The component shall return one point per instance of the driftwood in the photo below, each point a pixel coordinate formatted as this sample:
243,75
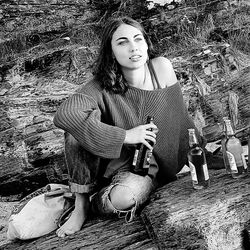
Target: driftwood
177,217
207,219
98,233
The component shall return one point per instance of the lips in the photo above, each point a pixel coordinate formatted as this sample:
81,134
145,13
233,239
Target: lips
135,57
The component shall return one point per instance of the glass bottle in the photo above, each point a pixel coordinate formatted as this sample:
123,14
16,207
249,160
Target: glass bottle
142,156
235,153
197,163
223,147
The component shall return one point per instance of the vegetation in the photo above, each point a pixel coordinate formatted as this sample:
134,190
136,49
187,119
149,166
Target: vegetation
176,28
182,27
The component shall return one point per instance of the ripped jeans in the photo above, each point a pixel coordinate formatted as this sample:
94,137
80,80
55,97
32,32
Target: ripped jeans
86,176
139,188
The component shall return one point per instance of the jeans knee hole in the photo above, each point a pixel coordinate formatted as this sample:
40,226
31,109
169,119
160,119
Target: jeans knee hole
121,197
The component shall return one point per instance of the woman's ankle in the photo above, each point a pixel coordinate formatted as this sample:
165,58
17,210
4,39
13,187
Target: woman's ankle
82,200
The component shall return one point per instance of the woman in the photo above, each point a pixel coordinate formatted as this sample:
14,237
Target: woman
105,120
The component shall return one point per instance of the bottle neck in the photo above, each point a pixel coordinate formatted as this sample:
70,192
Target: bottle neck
229,128
150,119
192,138
224,131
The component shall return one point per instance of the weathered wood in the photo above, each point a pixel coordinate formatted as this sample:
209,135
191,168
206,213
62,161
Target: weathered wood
183,218
100,234
177,217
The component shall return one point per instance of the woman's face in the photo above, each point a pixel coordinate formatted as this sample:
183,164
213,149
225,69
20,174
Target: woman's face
129,47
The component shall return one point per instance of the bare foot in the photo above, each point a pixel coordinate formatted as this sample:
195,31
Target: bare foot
77,218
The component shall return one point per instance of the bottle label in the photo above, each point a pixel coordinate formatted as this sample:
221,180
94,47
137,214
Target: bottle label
135,157
205,171
244,161
232,162
147,159
193,172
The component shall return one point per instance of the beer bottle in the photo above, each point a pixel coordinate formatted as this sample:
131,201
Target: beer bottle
142,156
223,147
235,153
197,162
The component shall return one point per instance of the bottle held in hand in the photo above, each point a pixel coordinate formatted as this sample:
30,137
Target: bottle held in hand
142,156
197,163
234,153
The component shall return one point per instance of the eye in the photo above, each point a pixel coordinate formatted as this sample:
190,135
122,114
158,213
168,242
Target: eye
139,39
122,42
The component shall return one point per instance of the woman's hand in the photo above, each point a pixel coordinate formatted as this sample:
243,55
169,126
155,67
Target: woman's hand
141,134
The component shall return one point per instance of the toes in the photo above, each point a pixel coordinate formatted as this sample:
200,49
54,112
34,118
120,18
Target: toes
69,232
60,233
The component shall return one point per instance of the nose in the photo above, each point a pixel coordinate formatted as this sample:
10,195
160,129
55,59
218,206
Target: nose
133,47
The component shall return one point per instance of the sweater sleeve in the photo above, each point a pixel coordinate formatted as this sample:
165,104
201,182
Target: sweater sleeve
81,117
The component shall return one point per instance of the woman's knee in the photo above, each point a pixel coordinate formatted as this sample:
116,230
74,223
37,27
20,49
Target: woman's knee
121,197
72,147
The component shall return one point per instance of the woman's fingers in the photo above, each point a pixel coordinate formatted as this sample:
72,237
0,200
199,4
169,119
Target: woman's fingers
150,133
140,134
149,139
148,145
150,126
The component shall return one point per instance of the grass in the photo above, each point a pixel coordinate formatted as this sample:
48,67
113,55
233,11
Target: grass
195,29
180,32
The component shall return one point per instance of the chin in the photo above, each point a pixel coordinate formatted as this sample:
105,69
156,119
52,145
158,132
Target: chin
138,64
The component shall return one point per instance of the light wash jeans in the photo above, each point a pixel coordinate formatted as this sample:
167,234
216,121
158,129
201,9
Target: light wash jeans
140,188
86,173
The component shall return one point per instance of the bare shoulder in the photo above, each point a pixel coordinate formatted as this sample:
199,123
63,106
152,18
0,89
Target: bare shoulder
164,70
161,61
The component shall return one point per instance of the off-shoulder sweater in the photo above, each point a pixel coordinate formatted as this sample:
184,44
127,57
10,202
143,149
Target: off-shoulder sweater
98,119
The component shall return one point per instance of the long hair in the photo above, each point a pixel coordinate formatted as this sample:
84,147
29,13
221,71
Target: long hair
107,70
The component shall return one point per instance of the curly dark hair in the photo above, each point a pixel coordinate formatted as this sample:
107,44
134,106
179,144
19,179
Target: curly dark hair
107,70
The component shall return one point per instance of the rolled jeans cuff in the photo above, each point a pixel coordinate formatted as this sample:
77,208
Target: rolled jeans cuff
77,188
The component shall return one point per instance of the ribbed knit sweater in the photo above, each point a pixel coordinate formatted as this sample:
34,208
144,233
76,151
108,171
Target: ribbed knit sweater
98,119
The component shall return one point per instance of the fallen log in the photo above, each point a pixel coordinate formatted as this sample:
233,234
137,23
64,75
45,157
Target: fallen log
97,234
212,218
177,217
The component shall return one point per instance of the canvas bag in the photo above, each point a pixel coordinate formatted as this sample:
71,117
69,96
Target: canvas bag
38,213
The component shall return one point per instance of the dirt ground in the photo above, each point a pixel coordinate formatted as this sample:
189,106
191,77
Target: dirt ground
5,208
